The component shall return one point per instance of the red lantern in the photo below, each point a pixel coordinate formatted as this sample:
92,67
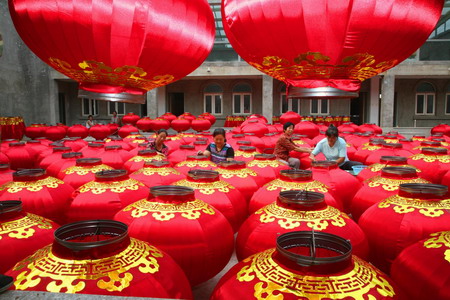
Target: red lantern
34,131
210,117
352,47
290,180
93,150
99,132
103,197
269,140
113,128
180,124
418,264
3,158
417,211
137,162
427,144
83,171
385,161
78,130
160,123
434,163
66,160
118,141
155,173
307,128
54,156
348,127
144,124
19,156
387,149
130,118
98,257
76,143
36,149
21,233
5,174
40,194
195,162
200,124
115,156
306,265
378,188
188,116
267,167
293,211
191,231
169,117
126,130
441,128
368,148
290,116
210,188
246,153
55,133
370,128
181,154
238,175
256,127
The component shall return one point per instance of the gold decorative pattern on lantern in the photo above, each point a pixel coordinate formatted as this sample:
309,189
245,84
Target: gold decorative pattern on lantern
368,146
402,205
246,154
159,171
199,163
84,170
264,163
70,276
299,142
290,185
11,120
289,218
93,71
438,240
207,188
241,173
146,158
377,167
431,158
32,186
23,228
390,184
315,65
113,186
191,210
273,279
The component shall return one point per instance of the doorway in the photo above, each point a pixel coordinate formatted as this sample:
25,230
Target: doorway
176,103
357,106
62,107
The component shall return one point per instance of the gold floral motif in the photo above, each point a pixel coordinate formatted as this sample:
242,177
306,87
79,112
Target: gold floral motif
32,186
431,158
200,163
264,163
114,186
289,185
22,228
246,154
273,279
402,205
316,65
438,240
299,142
93,71
11,121
241,173
368,146
159,171
191,210
389,184
378,167
391,141
289,219
84,170
207,188
70,276
146,158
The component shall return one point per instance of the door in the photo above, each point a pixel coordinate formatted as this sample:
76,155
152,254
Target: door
357,108
176,103
62,107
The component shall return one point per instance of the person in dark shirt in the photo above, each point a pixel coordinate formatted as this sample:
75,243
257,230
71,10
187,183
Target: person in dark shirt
158,144
285,145
219,150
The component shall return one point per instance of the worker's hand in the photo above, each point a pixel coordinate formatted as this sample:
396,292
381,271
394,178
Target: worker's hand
200,152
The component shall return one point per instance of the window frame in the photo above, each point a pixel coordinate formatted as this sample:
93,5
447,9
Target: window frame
319,107
241,100
425,103
213,103
289,104
116,109
94,105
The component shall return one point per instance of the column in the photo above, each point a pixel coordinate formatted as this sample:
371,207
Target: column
53,101
387,100
152,104
374,100
161,100
267,97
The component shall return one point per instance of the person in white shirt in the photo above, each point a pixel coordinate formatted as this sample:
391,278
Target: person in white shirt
90,122
115,119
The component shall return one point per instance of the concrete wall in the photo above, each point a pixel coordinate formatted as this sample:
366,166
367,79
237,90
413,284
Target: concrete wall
406,103
25,88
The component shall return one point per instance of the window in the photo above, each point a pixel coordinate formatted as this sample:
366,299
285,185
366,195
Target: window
425,95
320,107
213,99
89,107
292,104
116,106
242,99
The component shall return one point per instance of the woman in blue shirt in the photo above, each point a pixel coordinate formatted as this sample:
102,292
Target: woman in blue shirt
219,150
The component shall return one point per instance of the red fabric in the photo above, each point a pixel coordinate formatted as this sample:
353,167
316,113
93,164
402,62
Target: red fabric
386,150
81,174
76,143
201,246
307,128
12,127
157,175
290,116
37,149
365,150
99,132
200,124
441,128
78,130
240,177
54,156
137,162
181,154
65,161
267,169
415,268
5,174
195,162
3,158
180,124
126,130
130,118
115,156
19,156
94,150
433,165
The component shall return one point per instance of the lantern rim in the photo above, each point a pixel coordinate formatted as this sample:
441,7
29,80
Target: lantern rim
264,156
171,190
88,161
319,92
8,206
4,167
156,163
416,189
198,174
71,155
387,159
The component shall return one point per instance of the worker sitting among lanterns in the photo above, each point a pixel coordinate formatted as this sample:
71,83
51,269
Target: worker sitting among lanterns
285,144
219,150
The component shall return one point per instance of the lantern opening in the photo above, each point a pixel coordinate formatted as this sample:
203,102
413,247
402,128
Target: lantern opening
320,92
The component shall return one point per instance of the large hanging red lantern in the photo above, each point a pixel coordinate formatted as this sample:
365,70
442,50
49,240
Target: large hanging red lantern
21,233
159,49
210,188
98,257
296,210
55,133
306,265
327,49
157,172
83,171
290,116
414,269
193,233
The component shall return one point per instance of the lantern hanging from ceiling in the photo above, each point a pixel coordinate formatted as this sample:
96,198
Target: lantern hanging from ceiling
159,49
327,48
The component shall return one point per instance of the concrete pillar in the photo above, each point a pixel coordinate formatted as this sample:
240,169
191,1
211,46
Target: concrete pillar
53,101
152,104
267,97
387,101
374,100
161,100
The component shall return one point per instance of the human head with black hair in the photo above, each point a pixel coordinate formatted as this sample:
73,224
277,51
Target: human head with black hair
219,137
332,135
288,128
161,136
